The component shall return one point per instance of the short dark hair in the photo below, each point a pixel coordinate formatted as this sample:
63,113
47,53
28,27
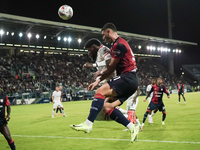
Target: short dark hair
92,41
109,25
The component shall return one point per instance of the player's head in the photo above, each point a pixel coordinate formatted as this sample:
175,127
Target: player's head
153,81
60,87
57,88
180,81
159,81
108,31
92,45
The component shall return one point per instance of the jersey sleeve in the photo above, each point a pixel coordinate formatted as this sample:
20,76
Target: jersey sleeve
53,94
118,51
148,88
165,90
106,53
7,103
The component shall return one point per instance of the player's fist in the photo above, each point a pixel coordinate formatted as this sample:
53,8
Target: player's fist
87,65
7,118
145,100
168,96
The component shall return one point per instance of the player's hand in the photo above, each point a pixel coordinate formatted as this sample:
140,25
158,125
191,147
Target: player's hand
145,100
93,85
7,118
87,65
53,101
168,96
96,74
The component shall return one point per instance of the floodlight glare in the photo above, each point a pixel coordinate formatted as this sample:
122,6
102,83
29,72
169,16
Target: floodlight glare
179,51
20,34
65,39
29,35
7,33
59,38
69,39
79,40
37,36
148,47
45,37
139,47
12,33
1,32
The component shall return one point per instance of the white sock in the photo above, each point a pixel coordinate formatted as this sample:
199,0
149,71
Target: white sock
152,114
63,111
122,110
53,112
138,122
149,117
129,126
142,124
89,123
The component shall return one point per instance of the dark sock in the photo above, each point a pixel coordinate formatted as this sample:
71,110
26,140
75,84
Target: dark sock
117,115
145,116
184,98
96,107
164,116
179,99
60,110
12,145
56,110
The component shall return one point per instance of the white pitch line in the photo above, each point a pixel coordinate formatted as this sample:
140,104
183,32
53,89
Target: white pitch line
104,139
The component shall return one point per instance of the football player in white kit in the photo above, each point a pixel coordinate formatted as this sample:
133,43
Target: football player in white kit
57,99
101,54
153,81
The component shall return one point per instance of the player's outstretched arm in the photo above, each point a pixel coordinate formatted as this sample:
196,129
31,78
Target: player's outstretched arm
149,94
165,90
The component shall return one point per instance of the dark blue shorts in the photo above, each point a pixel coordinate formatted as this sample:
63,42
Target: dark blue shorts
160,106
3,121
124,85
180,93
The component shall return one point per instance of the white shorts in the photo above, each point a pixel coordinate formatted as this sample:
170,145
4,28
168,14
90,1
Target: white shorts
58,104
130,105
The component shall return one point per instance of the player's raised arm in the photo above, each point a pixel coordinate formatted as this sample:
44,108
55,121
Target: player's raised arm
52,97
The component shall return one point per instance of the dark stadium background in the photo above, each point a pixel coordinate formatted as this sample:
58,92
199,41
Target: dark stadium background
138,16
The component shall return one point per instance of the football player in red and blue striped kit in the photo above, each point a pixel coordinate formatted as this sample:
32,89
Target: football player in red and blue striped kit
4,102
157,102
180,87
120,87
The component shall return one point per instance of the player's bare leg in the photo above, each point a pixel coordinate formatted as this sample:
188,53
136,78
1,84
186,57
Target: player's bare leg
6,133
53,111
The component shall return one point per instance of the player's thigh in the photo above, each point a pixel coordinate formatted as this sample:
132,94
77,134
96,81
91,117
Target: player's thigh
108,106
161,107
106,91
6,132
152,106
55,105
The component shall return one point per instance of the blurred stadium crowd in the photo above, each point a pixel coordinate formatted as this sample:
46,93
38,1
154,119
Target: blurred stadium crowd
36,73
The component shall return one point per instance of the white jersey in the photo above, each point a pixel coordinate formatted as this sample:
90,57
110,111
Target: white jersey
148,90
57,96
103,54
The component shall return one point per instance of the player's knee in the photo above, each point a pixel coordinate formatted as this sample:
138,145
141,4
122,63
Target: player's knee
164,112
148,111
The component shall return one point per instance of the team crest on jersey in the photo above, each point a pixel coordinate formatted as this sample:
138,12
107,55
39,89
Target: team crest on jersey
1,100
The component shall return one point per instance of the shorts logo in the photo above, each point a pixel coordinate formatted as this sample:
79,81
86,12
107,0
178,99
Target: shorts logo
116,52
1,100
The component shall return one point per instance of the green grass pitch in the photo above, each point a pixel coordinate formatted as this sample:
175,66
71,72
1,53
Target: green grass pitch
32,128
